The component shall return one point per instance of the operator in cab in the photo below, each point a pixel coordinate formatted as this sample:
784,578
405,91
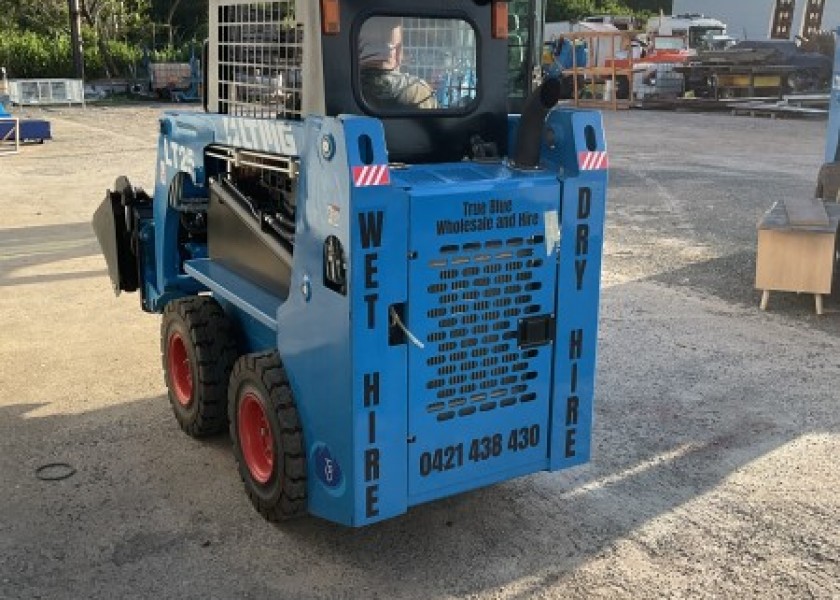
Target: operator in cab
384,85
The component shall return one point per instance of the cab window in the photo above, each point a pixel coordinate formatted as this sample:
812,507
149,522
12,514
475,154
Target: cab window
416,64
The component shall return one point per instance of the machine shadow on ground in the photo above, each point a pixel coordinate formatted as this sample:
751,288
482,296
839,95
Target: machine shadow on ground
32,247
665,434
732,279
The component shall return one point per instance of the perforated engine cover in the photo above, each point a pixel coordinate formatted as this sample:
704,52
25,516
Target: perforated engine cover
479,399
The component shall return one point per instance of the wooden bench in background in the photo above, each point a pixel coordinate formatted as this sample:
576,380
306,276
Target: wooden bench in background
797,242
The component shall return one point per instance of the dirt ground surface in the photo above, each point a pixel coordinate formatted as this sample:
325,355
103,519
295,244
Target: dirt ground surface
717,432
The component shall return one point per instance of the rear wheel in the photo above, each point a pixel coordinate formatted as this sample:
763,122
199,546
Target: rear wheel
267,436
198,350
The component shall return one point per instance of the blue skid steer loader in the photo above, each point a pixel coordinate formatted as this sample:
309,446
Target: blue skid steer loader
377,265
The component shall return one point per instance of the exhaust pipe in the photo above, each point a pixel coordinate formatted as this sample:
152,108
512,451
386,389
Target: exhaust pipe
529,137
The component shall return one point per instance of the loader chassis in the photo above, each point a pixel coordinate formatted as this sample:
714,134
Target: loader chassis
413,301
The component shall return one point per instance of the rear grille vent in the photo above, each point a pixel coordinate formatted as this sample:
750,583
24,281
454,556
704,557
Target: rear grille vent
479,293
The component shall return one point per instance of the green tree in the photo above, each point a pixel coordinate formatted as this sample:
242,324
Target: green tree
185,20
110,20
573,10
36,16
652,6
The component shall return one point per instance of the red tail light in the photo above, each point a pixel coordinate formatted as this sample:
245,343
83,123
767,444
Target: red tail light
330,17
500,19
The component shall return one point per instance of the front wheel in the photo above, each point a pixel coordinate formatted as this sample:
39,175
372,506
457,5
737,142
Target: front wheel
267,436
198,349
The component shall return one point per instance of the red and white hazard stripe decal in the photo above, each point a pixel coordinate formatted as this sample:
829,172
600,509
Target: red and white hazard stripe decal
593,161
371,175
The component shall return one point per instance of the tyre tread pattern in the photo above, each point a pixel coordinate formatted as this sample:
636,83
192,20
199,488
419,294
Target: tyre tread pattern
291,501
212,337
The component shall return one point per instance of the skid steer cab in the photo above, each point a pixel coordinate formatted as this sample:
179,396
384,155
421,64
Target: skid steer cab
380,282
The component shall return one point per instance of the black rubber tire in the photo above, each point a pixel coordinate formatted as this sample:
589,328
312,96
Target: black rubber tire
211,351
283,496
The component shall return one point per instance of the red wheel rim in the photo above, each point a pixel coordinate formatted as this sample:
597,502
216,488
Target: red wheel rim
256,438
180,371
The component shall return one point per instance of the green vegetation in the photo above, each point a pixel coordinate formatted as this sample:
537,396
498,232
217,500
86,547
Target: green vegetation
117,34
35,34
572,10
27,54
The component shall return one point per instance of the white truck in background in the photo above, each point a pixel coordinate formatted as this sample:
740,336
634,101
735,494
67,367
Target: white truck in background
695,28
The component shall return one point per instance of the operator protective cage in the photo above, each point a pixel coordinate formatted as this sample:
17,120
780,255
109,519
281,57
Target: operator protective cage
427,271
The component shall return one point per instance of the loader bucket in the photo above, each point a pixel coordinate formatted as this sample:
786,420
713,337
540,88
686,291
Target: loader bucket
109,224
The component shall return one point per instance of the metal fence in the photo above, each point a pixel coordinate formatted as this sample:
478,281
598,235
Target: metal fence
39,92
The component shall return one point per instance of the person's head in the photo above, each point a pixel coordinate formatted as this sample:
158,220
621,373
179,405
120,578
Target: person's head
380,43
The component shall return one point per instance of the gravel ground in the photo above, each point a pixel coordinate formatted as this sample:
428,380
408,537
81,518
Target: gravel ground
714,470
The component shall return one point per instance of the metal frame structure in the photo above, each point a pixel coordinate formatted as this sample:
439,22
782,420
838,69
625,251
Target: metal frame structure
781,20
604,69
42,92
10,142
813,18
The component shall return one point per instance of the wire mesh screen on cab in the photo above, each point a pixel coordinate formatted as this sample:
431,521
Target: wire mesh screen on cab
260,60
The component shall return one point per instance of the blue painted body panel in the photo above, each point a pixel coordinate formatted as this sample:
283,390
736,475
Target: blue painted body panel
480,243
225,284
578,293
30,130
832,143
181,146
467,253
